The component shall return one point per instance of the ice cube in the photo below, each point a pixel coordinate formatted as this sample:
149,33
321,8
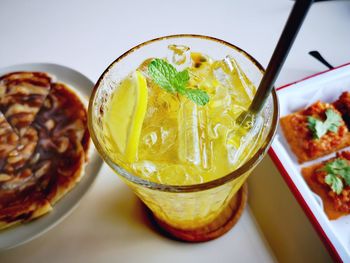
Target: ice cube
206,144
199,60
242,80
150,138
229,74
146,169
221,100
201,73
179,56
189,149
243,142
143,68
194,144
158,142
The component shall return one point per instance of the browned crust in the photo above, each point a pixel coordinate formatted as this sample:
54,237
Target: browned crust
321,191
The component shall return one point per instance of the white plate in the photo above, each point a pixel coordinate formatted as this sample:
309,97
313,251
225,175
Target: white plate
326,87
22,233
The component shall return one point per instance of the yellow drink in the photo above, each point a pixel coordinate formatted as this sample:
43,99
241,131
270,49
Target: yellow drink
180,142
186,162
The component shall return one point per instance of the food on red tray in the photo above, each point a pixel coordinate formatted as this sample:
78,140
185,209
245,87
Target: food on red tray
343,105
331,181
315,131
43,159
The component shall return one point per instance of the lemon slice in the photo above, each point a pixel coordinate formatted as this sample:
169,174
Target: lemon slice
126,114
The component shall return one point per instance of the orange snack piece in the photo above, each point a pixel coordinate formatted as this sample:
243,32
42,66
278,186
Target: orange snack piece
334,205
301,140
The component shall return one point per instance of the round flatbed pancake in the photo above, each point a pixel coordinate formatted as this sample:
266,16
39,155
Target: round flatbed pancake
48,159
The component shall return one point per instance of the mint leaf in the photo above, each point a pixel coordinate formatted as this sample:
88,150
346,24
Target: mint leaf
320,128
198,96
168,78
163,74
183,77
336,171
181,81
334,182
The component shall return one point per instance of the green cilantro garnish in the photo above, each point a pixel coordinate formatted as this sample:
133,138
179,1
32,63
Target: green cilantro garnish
173,81
336,171
320,128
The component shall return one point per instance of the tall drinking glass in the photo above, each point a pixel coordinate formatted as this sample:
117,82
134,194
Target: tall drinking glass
195,212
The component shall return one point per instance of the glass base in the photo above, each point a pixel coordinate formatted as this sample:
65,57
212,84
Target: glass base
223,223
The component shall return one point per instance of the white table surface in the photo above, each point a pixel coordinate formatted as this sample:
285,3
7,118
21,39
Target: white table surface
109,225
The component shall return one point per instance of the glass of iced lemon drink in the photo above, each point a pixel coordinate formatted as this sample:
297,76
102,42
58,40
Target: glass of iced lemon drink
163,115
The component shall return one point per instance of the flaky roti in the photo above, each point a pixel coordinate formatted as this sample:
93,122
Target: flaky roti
48,157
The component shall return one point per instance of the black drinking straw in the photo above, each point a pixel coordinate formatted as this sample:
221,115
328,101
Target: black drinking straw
290,31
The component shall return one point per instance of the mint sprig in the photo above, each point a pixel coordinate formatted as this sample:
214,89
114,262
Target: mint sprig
337,171
173,81
320,128
198,96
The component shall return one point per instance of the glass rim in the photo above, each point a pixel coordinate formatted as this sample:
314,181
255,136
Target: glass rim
254,160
